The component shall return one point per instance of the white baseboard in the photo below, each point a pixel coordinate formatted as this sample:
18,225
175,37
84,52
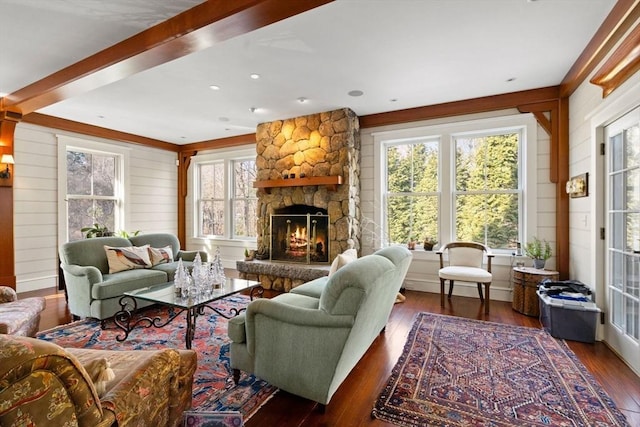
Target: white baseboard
498,293
35,284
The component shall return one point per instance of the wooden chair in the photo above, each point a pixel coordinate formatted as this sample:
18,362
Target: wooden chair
465,265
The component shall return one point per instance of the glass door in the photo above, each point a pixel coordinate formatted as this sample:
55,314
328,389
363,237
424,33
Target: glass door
622,260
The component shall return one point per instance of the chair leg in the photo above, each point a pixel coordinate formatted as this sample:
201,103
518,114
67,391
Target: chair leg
442,293
450,288
480,291
236,376
486,297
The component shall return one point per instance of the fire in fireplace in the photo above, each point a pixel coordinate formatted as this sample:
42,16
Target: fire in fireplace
300,238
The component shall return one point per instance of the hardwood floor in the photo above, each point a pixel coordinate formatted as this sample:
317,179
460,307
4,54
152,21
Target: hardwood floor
352,403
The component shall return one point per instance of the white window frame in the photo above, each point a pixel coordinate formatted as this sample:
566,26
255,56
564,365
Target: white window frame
527,173
228,156
121,190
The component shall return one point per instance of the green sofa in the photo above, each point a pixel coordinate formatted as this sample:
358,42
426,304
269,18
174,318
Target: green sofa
308,340
93,292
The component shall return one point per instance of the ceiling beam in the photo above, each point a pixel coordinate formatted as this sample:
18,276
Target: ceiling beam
96,131
623,16
194,30
459,108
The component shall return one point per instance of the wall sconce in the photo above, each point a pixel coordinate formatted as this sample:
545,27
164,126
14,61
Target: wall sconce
578,186
7,159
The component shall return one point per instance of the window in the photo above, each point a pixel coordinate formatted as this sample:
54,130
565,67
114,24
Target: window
227,201
457,182
91,179
412,193
487,192
212,199
244,198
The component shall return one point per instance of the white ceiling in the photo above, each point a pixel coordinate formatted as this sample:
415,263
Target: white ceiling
399,53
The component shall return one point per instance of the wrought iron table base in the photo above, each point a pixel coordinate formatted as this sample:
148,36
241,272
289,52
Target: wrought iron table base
126,321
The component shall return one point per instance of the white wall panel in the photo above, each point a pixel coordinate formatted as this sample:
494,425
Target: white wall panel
152,205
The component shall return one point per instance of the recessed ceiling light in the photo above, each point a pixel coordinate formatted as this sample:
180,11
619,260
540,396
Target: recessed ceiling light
302,100
101,116
224,119
393,99
356,93
214,87
253,109
254,76
511,79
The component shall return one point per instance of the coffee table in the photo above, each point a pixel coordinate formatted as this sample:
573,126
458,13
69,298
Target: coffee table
165,294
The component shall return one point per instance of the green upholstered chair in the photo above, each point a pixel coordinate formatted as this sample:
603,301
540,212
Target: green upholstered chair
306,344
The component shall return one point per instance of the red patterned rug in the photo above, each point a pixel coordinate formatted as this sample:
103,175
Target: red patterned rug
461,372
213,386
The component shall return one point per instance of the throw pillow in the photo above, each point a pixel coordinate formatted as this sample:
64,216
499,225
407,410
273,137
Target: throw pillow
342,260
127,258
161,255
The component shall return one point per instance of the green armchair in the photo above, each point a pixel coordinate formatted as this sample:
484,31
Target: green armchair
307,341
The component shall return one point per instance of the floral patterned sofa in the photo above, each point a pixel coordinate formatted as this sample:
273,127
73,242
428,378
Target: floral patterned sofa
19,317
42,384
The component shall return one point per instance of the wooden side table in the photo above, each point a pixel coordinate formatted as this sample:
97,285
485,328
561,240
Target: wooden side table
525,285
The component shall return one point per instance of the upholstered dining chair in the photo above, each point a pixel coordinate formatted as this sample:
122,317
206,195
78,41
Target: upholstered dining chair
465,264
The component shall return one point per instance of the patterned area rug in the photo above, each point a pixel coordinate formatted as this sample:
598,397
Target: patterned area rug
461,372
213,387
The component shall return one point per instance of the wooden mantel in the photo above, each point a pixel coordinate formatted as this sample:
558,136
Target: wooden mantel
331,182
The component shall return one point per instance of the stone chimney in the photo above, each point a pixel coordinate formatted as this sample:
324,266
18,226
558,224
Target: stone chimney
317,145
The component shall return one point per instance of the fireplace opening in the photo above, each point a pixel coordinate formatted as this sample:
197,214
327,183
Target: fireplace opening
300,234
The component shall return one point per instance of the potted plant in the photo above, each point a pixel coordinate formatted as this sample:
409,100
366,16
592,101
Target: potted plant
429,243
411,244
126,234
96,230
539,251
248,255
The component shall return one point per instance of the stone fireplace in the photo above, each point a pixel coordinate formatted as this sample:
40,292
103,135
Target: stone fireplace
311,161
319,155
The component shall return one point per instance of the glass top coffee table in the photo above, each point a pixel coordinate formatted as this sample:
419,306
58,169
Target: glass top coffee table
165,294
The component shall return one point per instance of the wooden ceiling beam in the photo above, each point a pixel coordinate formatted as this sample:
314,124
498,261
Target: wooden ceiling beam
623,16
97,131
194,30
459,108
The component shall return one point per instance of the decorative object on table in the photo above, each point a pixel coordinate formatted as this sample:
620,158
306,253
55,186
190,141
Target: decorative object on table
428,243
249,254
217,275
525,285
539,251
213,419
578,186
213,389
456,371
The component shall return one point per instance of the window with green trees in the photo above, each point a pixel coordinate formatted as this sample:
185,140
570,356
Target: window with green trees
487,193
454,186
412,197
